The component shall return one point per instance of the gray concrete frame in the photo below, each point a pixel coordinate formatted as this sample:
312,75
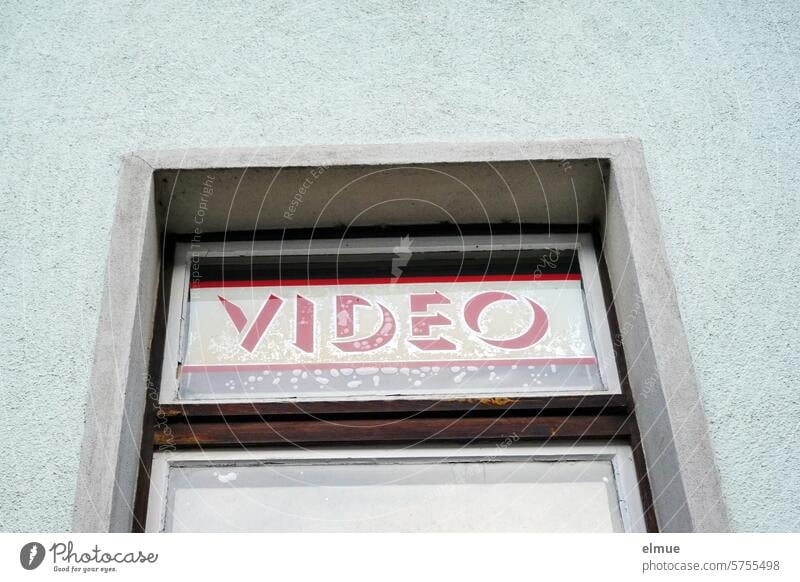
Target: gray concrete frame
677,447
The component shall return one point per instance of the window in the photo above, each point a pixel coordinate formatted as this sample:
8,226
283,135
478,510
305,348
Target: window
472,489
388,317
403,383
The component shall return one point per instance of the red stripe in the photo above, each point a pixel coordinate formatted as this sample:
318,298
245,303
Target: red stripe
384,280
198,368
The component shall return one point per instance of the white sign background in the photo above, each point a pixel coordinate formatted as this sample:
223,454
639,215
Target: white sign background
214,343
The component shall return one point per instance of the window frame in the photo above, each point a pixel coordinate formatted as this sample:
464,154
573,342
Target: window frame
621,457
595,302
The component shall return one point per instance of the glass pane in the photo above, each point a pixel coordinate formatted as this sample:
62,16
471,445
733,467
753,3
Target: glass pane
428,495
361,326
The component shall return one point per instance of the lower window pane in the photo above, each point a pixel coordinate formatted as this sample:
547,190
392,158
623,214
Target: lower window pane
406,494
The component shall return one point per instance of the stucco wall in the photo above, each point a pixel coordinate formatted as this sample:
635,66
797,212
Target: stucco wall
711,89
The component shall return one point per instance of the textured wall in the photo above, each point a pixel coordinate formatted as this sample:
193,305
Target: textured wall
710,87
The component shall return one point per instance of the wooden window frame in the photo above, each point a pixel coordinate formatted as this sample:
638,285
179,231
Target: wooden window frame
594,419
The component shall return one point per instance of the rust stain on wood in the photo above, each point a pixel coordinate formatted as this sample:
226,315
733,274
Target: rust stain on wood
374,430
496,401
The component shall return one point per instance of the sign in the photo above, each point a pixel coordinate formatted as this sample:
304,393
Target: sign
383,336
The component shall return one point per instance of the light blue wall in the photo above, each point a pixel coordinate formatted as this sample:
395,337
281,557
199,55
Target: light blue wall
710,87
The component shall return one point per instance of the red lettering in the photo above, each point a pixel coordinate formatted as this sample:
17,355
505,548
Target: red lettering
345,325
475,307
421,324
